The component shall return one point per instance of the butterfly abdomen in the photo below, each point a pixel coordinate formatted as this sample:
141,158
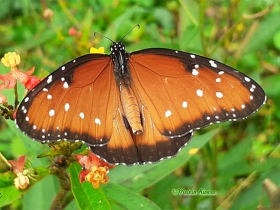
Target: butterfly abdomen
131,109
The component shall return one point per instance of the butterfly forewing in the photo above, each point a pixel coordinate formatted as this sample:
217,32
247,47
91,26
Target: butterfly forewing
185,92
76,102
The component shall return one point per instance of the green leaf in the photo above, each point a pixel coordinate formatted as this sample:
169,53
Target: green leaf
34,197
272,85
264,33
231,164
72,206
41,194
37,40
9,194
108,196
86,196
7,179
123,198
33,146
251,197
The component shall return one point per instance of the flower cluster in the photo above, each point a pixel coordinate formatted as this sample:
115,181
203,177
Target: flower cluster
94,170
12,60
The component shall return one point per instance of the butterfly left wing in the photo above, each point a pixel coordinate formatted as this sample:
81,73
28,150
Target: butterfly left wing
75,102
184,92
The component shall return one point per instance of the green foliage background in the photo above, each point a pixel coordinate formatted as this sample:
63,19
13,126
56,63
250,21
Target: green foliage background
239,156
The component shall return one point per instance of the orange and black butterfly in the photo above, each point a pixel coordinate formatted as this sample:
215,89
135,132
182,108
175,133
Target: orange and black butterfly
138,107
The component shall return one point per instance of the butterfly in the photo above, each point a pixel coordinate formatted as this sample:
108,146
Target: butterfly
139,107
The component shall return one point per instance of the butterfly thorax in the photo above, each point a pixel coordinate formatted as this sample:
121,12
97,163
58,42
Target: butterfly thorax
120,58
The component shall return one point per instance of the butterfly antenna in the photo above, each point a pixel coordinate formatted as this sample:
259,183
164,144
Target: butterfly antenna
137,25
103,36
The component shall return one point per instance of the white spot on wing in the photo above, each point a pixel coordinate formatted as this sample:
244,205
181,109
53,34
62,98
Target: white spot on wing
82,115
26,119
219,95
199,93
49,96
65,85
51,112
168,113
192,56
97,121
45,89
49,80
247,79
213,64
66,107
221,72
26,99
218,80
194,72
185,104
63,68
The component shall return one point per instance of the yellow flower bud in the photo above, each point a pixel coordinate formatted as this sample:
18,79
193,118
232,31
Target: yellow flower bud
11,59
100,50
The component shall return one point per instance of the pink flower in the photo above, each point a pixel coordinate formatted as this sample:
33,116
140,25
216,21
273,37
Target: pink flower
22,181
8,81
31,82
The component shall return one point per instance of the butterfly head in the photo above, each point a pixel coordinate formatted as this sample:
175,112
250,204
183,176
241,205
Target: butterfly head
117,47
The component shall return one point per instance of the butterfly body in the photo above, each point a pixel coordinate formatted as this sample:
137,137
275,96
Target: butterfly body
137,107
123,79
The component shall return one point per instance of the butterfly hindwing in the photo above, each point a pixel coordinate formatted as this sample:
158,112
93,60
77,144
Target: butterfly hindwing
148,147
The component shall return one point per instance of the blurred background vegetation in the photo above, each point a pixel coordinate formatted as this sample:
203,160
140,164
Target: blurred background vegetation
233,158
